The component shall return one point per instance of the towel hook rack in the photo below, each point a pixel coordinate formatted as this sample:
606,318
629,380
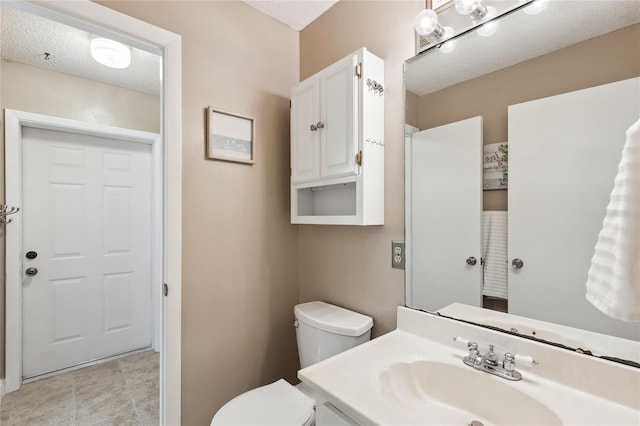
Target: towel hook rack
5,211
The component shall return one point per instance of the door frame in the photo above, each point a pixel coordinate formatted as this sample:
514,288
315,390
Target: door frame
101,20
15,121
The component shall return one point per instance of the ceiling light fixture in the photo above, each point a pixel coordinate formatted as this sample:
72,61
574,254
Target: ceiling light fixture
110,53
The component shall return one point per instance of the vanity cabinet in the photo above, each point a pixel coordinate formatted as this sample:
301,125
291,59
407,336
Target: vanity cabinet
337,144
328,415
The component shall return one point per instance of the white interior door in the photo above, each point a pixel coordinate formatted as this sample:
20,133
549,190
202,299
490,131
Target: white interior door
563,157
87,215
444,231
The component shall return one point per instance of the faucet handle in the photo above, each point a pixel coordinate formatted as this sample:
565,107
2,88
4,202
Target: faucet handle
472,346
461,341
473,350
525,360
509,362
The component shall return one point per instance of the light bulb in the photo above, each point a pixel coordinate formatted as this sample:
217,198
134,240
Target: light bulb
475,8
110,53
449,45
489,28
536,7
427,23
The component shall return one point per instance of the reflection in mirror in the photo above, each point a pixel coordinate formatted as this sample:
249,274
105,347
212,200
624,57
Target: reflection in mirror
557,90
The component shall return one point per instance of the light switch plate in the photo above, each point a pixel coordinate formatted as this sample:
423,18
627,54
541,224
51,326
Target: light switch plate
397,254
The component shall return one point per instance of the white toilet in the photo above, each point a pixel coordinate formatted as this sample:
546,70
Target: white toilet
322,330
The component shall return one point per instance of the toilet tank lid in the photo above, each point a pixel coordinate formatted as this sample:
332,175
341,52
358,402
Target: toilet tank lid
333,319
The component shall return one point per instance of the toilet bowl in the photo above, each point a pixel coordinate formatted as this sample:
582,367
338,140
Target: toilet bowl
322,330
276,404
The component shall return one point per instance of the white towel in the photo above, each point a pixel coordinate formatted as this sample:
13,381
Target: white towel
494,253
613,284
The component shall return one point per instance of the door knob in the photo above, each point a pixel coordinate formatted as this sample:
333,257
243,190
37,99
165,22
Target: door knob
313,128
471,260
517,263
31,271
320,125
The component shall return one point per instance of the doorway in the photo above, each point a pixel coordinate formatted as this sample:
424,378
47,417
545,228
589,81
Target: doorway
87,237
87,15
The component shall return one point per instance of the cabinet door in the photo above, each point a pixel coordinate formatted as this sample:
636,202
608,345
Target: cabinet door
328,415
338,104
305,158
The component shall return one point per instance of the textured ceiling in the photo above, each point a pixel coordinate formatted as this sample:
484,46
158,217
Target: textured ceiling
520,37
295,13
25,38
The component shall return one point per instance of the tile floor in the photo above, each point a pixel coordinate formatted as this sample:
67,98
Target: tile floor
119,392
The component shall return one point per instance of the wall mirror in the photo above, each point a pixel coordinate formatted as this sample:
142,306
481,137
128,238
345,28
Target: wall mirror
556,84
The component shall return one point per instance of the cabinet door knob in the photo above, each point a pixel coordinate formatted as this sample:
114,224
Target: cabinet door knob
320,125
471,260
517,263
313,128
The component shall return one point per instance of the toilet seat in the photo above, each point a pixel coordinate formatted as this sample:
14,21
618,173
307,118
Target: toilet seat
278,404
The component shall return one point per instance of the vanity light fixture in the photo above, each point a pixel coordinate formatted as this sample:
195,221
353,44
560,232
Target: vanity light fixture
449,45
478,11
535,7
475,9
491,26
110,53
427,25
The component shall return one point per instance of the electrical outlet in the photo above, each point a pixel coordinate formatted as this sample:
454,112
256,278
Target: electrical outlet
397,254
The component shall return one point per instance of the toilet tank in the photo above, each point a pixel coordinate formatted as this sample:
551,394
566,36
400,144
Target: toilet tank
324,330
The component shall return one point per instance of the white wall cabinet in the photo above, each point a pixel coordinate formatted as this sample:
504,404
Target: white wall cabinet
337,144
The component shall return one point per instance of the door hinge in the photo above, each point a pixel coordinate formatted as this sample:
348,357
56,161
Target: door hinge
359,158
290,104
165,289
359,70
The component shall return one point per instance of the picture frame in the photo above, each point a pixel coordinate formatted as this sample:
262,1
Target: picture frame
495,165
230,137
439,5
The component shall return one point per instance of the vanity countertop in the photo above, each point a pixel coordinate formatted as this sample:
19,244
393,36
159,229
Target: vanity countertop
359,383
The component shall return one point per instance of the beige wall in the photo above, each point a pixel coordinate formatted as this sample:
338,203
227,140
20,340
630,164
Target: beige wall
351,266
411,110
611,57
32,89
240,253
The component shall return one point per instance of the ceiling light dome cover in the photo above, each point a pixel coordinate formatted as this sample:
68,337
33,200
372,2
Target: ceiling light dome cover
110,53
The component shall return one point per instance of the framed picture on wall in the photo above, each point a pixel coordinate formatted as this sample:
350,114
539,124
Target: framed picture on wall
230,137
495,164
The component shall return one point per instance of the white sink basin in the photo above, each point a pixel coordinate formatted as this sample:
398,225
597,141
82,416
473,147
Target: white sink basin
485,398
414,376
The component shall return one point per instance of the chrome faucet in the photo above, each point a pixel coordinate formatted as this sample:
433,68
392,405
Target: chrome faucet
490,363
